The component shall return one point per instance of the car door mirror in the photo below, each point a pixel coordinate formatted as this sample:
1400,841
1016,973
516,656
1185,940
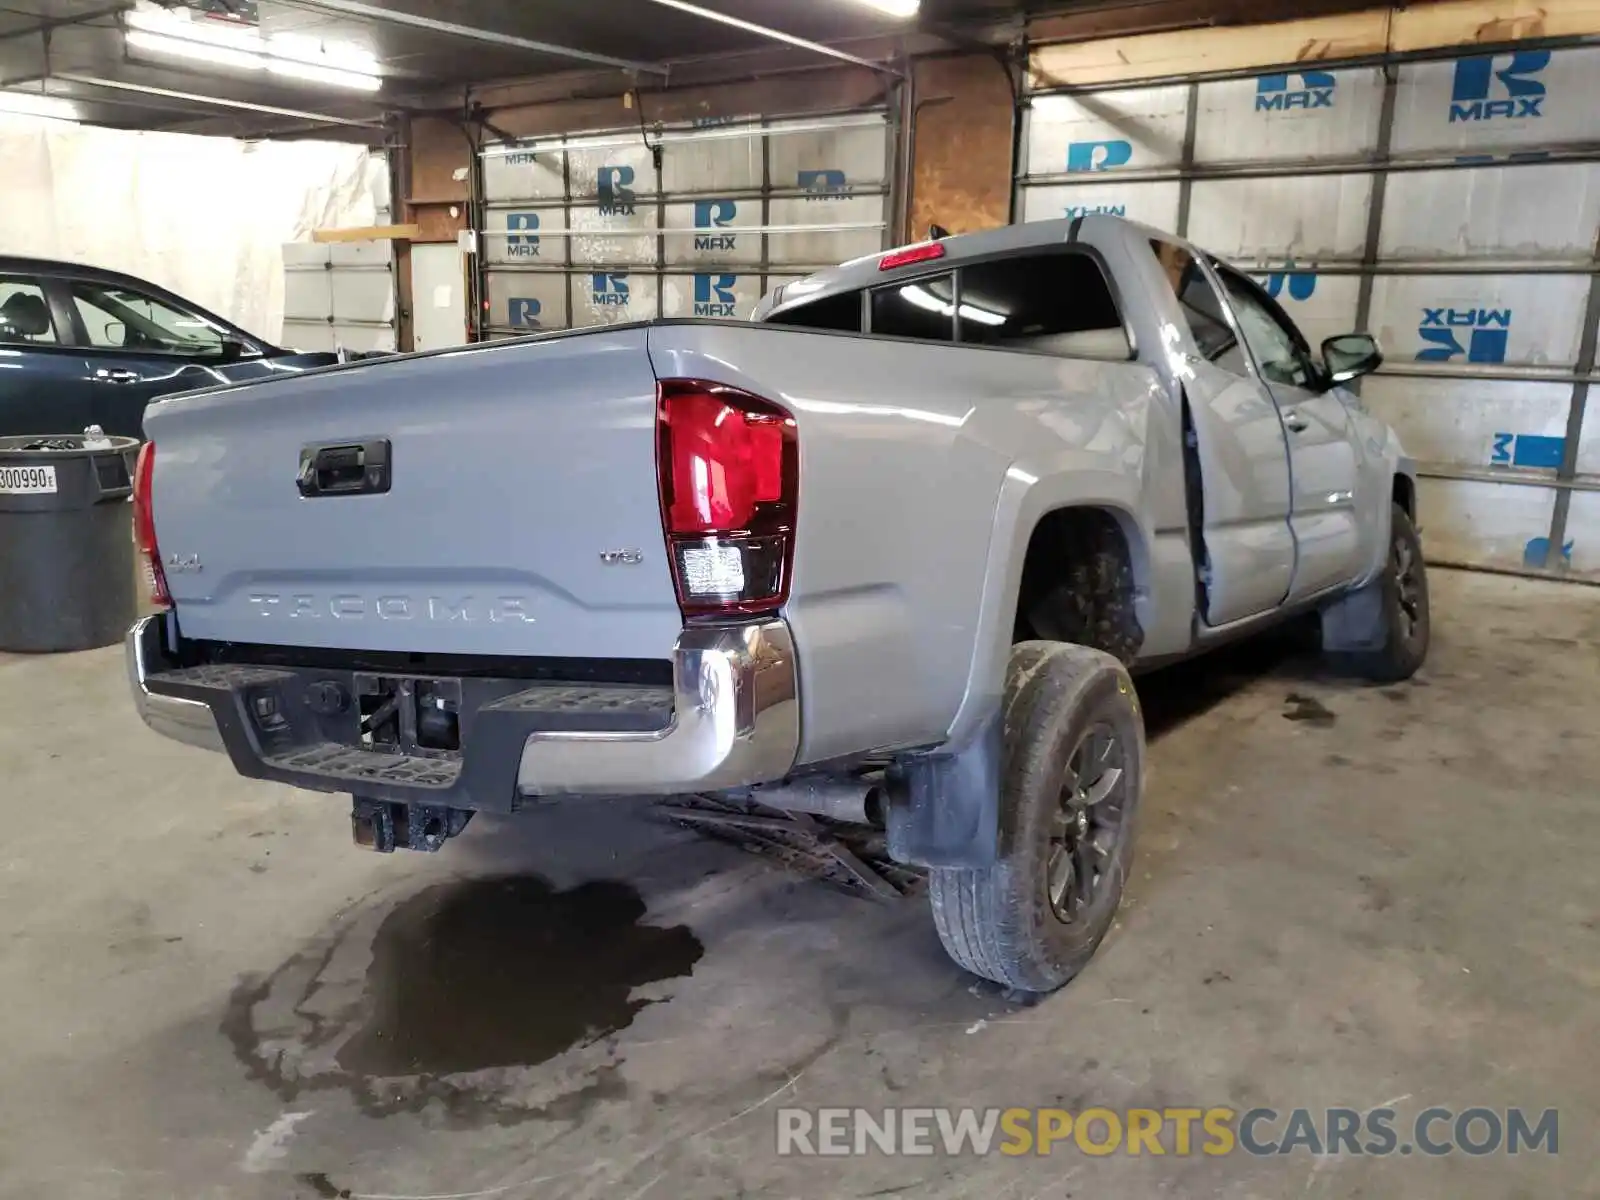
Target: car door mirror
232,350
1351,355
115,333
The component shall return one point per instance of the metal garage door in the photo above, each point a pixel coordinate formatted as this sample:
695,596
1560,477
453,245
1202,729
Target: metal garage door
1450,206
341,295
591,231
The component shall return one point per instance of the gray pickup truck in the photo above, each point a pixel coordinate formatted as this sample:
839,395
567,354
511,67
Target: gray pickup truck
886,554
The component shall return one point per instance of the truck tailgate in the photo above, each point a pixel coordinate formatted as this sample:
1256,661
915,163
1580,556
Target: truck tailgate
521,515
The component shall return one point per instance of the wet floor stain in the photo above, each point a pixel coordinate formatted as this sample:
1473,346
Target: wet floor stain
467,981
323,1187
1309,709
508,973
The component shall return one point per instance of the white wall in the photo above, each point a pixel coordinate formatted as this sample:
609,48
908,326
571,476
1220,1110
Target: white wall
205,217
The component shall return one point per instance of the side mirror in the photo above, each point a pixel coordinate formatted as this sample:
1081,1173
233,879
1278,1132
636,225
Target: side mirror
232,351
1351,355
115,333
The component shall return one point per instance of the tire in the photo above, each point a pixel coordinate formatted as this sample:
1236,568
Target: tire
1402,591
1061,704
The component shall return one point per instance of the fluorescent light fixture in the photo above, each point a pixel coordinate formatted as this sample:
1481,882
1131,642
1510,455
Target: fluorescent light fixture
320,54
217,56
924,299
338,78
34,104
244,48
894,8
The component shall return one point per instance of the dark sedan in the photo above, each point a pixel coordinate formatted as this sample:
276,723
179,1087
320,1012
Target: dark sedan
80,346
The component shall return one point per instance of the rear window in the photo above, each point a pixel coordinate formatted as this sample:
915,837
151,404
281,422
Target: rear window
1057,303
921,308
841,312
1051,302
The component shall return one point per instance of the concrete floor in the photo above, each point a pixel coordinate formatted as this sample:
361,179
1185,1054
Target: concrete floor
1389,896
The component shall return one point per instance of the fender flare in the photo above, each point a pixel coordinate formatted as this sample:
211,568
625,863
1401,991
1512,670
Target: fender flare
944,806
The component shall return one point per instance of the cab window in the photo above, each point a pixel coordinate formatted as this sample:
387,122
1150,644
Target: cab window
840,313
1055,302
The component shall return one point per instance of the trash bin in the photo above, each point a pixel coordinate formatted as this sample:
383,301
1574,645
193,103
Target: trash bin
66,541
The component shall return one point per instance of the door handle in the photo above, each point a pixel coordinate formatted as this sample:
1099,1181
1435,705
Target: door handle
116,375
1294,421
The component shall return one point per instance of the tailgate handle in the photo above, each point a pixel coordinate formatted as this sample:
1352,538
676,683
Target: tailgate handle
345,469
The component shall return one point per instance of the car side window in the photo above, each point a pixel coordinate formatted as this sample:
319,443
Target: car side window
1201,307
1278,350
124,319
25,318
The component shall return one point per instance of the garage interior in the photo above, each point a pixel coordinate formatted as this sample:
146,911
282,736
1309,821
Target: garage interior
1344,895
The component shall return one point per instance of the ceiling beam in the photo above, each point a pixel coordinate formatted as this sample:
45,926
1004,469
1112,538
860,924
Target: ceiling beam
144,89
372,12
777,35
54,23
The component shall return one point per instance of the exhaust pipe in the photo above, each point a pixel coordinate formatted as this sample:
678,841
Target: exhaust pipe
851,801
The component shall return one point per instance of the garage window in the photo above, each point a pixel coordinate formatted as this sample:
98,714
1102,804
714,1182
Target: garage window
1058,303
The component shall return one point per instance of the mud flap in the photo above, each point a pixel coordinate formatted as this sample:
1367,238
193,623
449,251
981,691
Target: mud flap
944,809
1356,621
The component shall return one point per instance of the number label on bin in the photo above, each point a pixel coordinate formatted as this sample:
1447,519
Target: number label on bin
27,481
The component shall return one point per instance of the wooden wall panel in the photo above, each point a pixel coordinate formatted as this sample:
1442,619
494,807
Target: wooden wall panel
1198,51
1485,22
1434,24
961,155
439,153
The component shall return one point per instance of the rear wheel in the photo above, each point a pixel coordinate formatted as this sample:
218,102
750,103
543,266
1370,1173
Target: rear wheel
1070,788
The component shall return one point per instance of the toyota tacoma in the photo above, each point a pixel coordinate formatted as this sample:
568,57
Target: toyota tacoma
886,553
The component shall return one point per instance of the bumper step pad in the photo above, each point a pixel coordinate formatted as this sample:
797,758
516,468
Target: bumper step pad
358,765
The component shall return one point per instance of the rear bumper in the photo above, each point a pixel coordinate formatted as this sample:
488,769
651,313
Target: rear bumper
732,719
188,721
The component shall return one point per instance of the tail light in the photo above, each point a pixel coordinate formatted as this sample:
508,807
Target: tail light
144,526
729,466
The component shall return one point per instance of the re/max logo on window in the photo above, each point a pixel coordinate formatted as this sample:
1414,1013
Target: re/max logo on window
1098,156
827,184
610,291
1276,93
1498,86
714,296
522,240
615,187
1476,334
1293,285
710,215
